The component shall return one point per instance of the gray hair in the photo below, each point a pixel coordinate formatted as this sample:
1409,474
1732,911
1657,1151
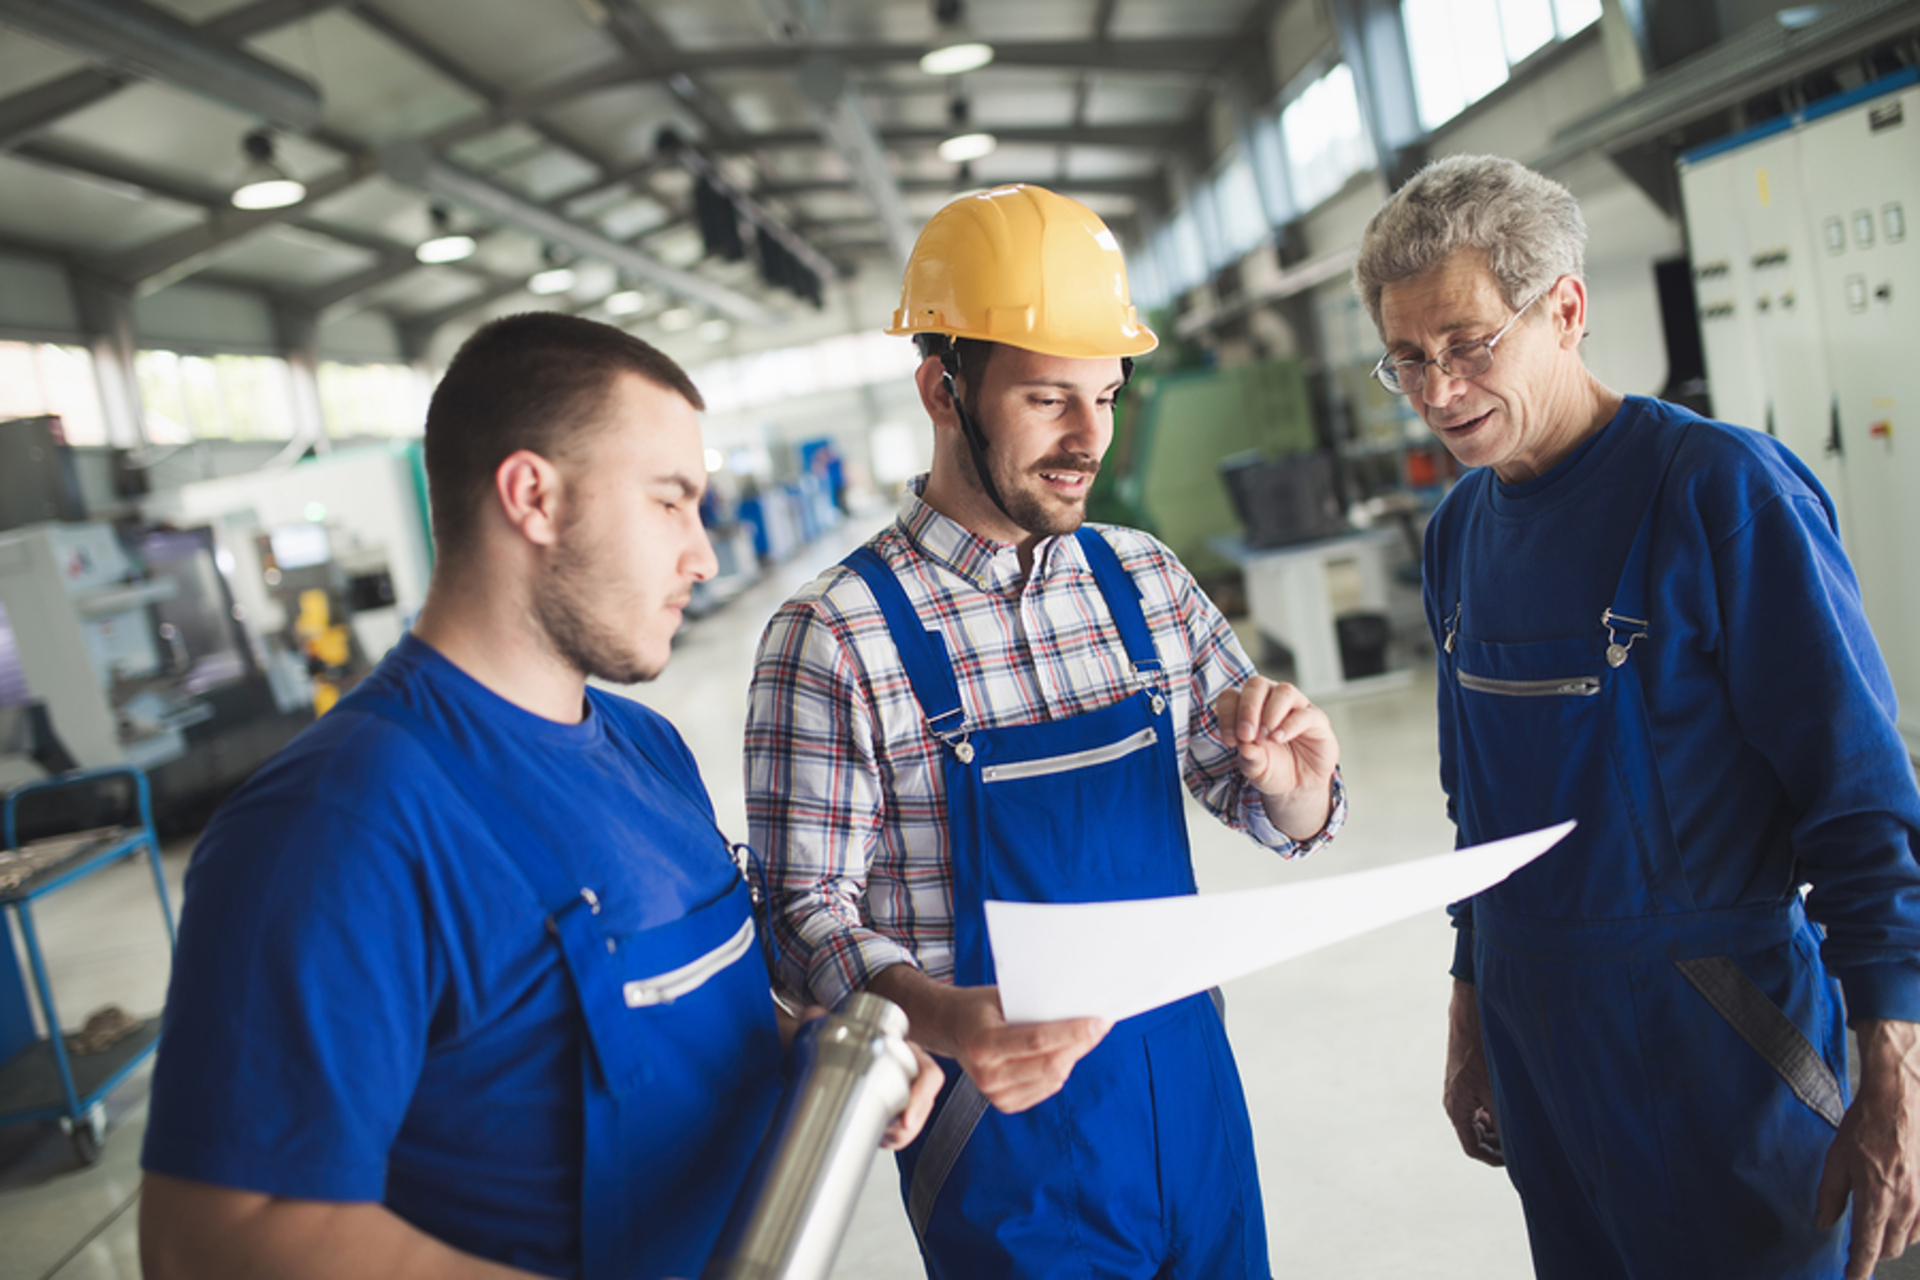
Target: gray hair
1529,226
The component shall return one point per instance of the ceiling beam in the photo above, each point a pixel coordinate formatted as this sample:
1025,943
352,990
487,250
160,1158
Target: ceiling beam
1131,137
420,48
1196,58
28,112
31,110
417,330
1145,186
158,263
140,40
416,166
651,49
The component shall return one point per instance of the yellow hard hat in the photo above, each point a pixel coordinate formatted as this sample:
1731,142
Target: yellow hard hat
1026,267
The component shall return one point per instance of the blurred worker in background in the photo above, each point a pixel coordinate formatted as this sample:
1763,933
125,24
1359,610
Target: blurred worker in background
418,1024
1645,622
994,699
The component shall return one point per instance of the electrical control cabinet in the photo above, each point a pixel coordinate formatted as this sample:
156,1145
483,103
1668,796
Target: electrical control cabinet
1807,279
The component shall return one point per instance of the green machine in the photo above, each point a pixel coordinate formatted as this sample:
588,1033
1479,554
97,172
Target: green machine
1162,473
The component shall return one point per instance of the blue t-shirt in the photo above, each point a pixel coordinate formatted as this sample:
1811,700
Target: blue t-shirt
365,1003
1772,714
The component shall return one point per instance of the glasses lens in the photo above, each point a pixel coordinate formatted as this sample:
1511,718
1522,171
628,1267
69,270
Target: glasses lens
1468,360
1397,380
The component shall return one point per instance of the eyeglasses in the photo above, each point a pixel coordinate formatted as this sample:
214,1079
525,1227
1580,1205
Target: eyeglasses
1461,360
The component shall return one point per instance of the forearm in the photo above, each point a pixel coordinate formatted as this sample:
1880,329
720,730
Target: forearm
193,1230
1889,1056
930,1006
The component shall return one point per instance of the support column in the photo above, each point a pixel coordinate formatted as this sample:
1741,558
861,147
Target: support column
106,313
299,332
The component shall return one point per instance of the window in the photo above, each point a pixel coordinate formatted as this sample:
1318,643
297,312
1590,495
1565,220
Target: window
852,360
1463,50
371,399
1237,207
185,397
1146,283
1186,252
1325,139
40,378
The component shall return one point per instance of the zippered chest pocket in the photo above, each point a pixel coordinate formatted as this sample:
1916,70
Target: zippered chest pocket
1551,687
665,988
1070,761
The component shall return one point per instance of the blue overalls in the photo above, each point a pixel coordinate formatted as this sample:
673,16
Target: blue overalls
1667,1074
1142,1166
681,1062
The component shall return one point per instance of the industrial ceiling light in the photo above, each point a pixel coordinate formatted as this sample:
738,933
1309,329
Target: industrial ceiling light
626,302
957,58
446,245
263,183
556,277
715,330
677,320
963,147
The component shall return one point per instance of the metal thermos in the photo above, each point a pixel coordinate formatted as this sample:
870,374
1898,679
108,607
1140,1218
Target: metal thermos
850,1074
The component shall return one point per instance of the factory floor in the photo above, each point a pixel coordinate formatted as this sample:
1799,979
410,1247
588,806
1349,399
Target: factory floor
1340,1050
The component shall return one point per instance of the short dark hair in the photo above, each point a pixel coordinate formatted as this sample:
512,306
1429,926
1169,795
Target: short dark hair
534,381
959,355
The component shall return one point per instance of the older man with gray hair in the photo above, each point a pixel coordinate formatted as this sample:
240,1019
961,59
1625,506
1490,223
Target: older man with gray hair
1645,621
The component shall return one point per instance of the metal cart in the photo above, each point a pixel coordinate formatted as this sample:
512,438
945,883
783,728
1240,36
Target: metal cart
40,1079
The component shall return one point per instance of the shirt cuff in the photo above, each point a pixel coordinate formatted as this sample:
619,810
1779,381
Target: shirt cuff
847,962
1882,991
1462,913
1253,813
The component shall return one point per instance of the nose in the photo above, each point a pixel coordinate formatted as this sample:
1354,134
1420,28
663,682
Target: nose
700,563
1441,388
1086,423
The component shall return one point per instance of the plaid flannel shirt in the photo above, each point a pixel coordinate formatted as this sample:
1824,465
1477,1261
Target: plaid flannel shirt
845,796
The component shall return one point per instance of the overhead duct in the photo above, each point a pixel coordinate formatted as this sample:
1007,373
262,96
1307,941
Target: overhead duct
137,39
849,130
412,164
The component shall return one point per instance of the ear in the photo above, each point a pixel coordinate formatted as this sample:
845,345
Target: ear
1567,305
930,379
530,491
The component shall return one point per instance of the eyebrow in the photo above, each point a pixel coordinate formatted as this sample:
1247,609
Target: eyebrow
1061,385
1450,331
687,486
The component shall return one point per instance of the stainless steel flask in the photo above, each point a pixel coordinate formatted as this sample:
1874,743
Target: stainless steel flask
850,1074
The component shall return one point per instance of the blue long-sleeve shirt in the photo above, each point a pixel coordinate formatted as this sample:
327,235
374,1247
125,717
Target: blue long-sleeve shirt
1772,713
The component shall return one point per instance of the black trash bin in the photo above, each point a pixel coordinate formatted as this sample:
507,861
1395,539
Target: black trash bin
1363,644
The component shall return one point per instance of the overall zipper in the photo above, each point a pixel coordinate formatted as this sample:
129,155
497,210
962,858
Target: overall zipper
1072,760
1561,687
667,987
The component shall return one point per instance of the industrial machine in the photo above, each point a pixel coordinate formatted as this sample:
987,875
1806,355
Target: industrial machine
1162,472
131,639
1807,281
368,511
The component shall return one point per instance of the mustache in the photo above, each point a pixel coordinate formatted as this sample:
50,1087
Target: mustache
1063,463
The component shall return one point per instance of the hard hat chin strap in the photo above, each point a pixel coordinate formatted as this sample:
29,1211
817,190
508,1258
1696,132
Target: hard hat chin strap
970,430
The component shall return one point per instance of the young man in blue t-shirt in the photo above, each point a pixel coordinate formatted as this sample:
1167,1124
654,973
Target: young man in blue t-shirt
417,1025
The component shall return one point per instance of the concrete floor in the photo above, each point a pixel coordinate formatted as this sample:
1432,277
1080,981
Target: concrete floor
1340,1050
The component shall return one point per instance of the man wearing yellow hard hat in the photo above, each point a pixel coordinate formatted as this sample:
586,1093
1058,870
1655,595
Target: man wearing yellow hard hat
993,699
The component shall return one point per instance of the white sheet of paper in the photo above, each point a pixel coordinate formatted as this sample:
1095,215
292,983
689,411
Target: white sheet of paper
1116,959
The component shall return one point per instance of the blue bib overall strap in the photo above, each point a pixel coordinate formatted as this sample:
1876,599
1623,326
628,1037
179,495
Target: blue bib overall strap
1664,1070
1143,1164
681,1053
